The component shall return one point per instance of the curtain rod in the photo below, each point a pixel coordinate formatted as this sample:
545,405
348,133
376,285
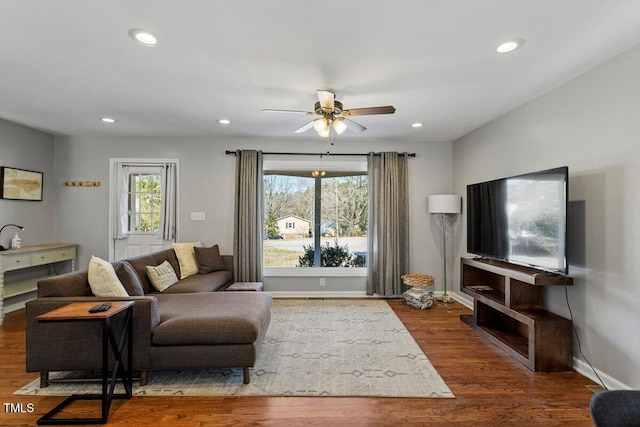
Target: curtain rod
228,152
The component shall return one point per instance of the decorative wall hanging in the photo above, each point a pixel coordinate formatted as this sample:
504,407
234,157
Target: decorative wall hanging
20,184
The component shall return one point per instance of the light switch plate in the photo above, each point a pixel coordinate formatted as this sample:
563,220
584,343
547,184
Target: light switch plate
197,216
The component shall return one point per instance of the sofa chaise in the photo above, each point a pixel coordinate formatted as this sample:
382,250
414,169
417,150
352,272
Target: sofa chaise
187,326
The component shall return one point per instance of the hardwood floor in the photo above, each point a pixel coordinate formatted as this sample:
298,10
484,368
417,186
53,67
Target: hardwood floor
490,387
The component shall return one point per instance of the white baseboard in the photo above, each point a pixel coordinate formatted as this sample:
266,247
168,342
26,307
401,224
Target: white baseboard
463,300
583,368
327,294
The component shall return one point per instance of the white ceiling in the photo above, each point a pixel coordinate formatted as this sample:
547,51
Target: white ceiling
66,63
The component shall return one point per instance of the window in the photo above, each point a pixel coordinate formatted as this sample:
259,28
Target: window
145,199
302,213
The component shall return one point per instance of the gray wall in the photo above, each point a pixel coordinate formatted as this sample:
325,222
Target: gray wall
592,125
207,185
25,148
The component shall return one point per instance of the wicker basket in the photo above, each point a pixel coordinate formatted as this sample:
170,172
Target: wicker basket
420,295
417,280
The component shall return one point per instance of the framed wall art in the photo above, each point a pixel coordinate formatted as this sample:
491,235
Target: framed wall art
20,184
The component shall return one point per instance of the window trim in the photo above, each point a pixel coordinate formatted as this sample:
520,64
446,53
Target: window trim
315,272
356,164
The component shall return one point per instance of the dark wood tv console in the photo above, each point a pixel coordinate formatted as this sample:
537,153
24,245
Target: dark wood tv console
508,302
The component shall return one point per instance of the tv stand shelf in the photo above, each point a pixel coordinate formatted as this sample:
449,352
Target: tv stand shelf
508,310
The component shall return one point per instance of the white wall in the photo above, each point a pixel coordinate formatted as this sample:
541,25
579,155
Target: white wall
25,148
592,125
207,185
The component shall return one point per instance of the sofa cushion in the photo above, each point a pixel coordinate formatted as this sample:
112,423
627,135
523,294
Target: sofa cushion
162,277
209,259
103,279
201,283
129,278
212,318
140,263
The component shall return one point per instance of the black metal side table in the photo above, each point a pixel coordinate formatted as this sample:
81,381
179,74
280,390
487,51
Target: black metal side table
79,312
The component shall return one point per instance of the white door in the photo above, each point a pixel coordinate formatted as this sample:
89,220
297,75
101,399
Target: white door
137,209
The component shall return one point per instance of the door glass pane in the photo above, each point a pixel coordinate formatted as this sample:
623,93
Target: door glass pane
144,202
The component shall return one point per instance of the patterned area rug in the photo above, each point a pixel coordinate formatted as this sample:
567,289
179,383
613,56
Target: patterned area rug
312,348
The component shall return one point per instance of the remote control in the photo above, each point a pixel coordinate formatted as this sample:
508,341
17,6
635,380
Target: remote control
100,307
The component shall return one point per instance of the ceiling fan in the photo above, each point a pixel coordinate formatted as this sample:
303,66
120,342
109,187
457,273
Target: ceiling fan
332,115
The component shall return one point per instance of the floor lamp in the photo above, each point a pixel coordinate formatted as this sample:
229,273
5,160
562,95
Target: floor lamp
444,204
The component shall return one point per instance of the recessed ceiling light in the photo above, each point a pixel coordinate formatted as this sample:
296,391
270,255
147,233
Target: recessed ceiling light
108,119
145,37
510,46
224,121
417,125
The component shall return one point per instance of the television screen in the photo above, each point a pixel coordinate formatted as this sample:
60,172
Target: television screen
521,219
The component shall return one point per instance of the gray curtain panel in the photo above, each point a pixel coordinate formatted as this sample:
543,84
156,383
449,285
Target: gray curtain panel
168,209
388,227
247,238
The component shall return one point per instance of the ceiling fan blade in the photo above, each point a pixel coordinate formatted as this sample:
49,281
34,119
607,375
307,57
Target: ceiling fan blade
305,128
356,127
388,109
326,99
271,110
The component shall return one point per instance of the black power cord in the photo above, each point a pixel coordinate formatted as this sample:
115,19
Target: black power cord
575,332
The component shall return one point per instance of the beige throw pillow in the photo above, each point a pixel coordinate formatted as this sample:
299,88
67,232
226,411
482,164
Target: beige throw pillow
186,258
162,276
103,279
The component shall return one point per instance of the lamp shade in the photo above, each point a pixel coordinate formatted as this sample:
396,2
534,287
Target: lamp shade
444,203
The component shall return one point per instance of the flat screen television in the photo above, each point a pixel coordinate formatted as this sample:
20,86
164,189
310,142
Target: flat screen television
521,219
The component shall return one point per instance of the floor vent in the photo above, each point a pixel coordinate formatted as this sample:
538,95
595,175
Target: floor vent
595,388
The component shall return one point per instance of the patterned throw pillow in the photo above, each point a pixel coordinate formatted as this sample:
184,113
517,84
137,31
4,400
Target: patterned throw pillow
162,276
103,280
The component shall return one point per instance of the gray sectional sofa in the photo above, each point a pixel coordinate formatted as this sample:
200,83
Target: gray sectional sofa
188,326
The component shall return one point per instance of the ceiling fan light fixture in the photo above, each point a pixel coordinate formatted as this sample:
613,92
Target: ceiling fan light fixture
321,124
325,133
339,126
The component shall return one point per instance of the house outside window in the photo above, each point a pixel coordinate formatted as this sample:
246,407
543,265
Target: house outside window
302,212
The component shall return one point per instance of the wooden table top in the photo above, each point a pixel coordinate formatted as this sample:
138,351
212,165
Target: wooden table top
80,311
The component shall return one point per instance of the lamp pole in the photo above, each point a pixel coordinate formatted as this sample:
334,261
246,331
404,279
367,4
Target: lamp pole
444,204
445,297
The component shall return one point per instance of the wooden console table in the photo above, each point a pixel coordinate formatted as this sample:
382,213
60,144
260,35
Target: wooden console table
508,304
30,257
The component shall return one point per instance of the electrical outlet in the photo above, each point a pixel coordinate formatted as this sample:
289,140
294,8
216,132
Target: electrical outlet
197,216
322,281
